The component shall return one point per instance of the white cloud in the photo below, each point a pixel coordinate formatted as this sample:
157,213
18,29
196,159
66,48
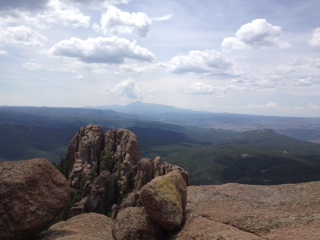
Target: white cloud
21,35
98,4
56,12
206,89
314,106
162,18
139,68
301,67
255,35
65,14
269,105
118,22
2,52
133,68
315,39
208,61
111,50
116,2
126,88
232,88
200,88
304,82
32,66
79,77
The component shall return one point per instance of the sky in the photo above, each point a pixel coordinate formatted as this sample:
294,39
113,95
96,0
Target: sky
238,56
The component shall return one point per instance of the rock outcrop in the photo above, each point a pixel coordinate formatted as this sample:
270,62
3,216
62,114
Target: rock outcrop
103,168
235,211
84,153
133,223
164,199
32,193
106,169
88,226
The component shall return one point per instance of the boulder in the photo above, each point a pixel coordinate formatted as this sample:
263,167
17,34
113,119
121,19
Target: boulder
236,211
32,193
88,226
164,199
133,223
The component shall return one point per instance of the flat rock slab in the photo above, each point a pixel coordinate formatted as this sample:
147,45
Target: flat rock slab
281,212
88,226
32,193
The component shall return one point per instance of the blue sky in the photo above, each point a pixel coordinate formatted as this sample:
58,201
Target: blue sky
239,56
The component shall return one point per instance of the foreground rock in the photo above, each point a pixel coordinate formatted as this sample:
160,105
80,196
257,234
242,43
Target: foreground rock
32,193
235,211
133,223
88,226
164,199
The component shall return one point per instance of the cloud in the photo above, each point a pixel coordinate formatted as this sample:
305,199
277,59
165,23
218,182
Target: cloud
307,68
304,82
98,4
64,14
111,50
2,52
125,88
22,35
207,61
269,105
255,35
162,18
315,39
200,88
56,12
133,68
116,2
25,4
314,106
117,22
32,66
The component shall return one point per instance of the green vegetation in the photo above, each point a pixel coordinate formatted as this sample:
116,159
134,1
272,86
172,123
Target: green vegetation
211,156
110,196
250,157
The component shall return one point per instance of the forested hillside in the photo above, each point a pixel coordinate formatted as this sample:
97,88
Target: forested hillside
212,156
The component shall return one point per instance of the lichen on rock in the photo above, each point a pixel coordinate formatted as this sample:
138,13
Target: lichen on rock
164,199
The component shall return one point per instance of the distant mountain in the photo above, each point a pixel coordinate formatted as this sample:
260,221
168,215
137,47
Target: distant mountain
307,129
140,108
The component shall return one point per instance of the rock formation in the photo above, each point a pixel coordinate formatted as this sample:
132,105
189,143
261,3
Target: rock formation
84,153
106,169
133,223
88,226
164,199
32,193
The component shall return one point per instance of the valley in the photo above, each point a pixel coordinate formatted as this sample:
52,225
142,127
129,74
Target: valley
215,148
